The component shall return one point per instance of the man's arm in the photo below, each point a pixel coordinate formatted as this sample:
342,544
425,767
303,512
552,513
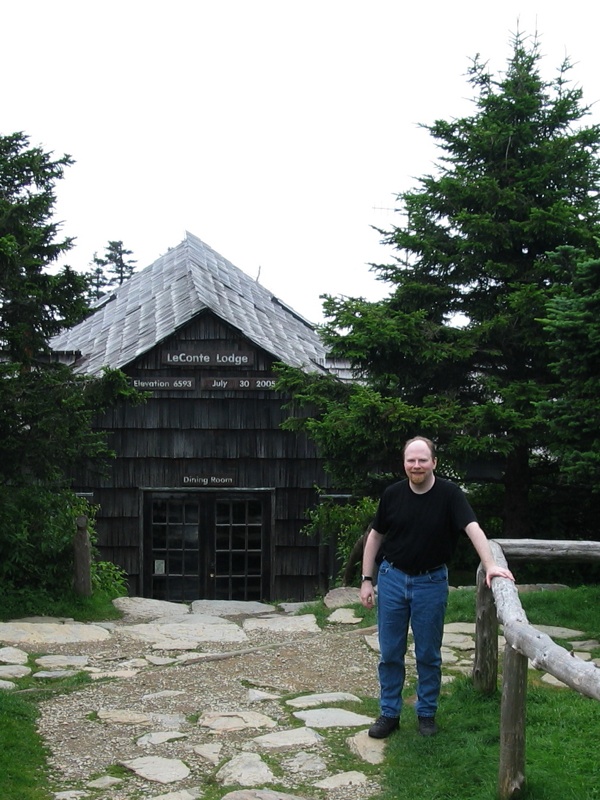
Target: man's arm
484,551
372,545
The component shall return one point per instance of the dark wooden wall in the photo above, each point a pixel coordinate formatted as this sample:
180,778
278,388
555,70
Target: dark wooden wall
177,433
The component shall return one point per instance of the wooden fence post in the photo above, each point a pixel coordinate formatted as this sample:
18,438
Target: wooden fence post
511,773
82,578
485,664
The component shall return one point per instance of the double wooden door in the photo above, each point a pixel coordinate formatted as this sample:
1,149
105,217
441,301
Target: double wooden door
207,545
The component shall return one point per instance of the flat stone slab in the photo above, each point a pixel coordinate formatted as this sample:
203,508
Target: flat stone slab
172,722
210,752
367,749
146,608
105,782
13,655
582,655
8,671
51,632
552,681
557,632
524,588
258,696
58,662
55,674
159,737
6,686
260,794
448,656
351,778
305,623
186,633
344,616
231,608
160,770
342,596
459,641
246,769
305,764
460,627
290,739
182,794
98,674
588,644
160,661
333,718
235,720
311,700
122,716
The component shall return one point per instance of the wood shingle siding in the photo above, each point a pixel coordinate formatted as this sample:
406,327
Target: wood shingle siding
207,495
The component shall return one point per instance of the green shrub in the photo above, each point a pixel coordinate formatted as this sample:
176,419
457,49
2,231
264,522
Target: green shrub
108,579
37,526
343,523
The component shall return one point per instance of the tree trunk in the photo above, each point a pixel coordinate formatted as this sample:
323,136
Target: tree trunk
516,494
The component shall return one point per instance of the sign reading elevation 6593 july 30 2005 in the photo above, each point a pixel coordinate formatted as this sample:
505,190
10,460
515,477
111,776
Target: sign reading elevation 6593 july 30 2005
230,384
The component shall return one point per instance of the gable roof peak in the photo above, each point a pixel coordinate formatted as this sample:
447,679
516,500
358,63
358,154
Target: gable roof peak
186,280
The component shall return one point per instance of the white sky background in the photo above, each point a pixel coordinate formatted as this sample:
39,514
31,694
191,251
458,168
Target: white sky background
278,131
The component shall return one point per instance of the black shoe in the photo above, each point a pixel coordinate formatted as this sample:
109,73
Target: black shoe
427,726
383,726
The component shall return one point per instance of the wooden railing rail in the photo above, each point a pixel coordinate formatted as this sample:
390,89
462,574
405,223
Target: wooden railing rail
524,643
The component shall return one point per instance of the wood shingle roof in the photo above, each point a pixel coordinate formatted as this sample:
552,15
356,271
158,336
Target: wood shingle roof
186,281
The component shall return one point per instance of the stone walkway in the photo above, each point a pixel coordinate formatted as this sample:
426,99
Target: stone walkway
250,745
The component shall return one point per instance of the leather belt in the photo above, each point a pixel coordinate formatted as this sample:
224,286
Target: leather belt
413,574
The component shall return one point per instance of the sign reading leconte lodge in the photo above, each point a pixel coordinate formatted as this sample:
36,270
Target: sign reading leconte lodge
208,357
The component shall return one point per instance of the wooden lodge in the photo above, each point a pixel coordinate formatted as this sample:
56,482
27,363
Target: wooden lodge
207,495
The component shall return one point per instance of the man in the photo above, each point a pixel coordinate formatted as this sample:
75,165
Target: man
416,527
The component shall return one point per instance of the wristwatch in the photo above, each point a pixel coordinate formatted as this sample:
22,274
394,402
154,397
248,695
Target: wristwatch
366,578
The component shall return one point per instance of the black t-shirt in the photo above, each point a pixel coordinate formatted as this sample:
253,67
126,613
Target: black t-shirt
421,530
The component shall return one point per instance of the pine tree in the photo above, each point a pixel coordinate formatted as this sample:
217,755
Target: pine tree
45,410
458,350
34,304
573,328
120,268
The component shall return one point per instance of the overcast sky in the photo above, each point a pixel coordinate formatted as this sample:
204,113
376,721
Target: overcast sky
278,131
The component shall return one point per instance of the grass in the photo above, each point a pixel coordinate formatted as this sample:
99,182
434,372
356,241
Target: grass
562,728
23,773
71,606
461,763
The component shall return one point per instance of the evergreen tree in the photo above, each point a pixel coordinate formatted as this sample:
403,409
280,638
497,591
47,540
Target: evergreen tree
573,327
45,410
517,181
119,267
97,280
34,305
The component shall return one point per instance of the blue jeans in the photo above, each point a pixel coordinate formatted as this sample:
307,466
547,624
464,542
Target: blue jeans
421,601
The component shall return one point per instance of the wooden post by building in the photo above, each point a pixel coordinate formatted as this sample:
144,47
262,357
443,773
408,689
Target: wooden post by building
82,578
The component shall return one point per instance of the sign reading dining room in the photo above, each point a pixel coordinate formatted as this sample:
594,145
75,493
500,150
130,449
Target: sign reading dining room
207,357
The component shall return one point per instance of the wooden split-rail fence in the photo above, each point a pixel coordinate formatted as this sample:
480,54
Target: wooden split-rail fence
524,643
